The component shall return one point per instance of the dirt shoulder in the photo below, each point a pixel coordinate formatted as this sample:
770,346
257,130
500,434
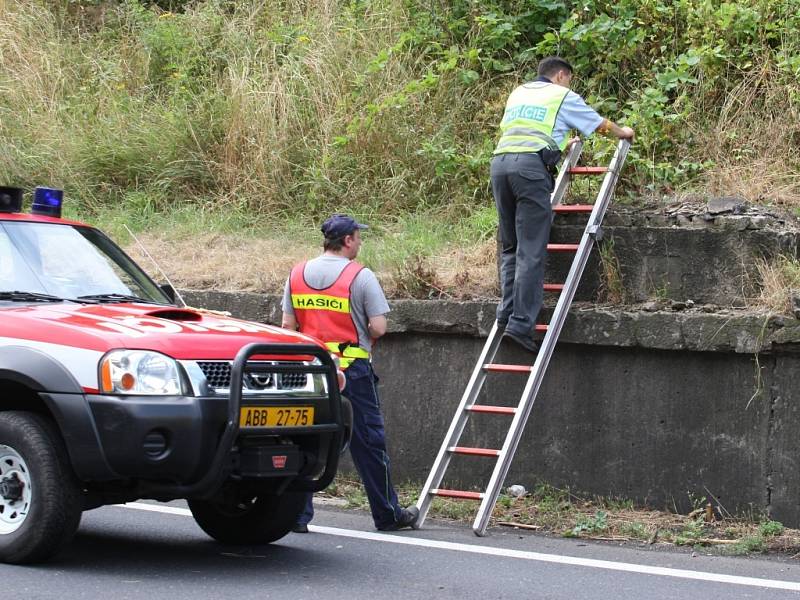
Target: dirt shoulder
551,511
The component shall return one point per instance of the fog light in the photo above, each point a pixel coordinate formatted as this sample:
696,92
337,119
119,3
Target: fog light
155,444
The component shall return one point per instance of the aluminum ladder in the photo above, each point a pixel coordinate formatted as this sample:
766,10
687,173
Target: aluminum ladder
536,373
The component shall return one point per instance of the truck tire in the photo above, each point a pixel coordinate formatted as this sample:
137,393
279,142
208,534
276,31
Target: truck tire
266,519
40,497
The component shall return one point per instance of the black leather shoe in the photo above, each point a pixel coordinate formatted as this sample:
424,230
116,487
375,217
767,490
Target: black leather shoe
408,517
523,340
300,528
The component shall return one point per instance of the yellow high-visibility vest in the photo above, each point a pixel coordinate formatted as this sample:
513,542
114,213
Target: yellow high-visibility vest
530,117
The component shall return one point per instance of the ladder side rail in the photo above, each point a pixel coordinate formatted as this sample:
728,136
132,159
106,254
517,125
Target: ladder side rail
609,183
548,344
459,422
562,181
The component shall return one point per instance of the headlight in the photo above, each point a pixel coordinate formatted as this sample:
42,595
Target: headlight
140,372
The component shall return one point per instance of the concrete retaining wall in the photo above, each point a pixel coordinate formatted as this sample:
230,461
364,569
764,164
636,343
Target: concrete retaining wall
689,254
653,406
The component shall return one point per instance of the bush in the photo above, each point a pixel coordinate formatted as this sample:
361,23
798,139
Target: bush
771,528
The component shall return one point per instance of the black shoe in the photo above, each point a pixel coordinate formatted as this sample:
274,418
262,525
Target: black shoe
408,517
525,341
300,528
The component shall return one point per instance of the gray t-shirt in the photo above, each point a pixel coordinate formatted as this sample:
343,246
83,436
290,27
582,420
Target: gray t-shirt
366,296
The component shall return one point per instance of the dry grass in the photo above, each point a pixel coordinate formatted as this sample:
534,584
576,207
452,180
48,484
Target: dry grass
604,520
754,141
612,288
222,262
35,71
458,273
780,279
278,109
470,271
235,263
232,262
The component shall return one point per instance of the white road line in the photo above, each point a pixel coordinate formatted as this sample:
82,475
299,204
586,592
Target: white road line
170,510
536,556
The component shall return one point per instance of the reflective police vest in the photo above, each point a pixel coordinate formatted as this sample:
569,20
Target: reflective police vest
530,117
325,313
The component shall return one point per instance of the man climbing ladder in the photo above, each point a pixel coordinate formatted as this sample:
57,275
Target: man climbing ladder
533,138
534,132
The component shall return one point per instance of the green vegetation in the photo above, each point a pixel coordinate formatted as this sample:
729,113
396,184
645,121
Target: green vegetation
746,545
597,523
635,531
556,511
380,106
771,528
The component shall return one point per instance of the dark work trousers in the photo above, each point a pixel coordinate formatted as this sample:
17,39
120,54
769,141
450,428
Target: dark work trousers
367,446
522,186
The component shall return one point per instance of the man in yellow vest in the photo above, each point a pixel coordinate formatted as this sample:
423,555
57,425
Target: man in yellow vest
534,132
340,302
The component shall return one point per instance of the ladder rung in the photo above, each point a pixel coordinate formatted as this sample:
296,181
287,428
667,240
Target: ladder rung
498,410
497,368
588,170
573,208
458,494
562,247
553,287
473,451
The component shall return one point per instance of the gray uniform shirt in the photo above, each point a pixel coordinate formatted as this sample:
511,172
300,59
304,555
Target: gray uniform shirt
366,296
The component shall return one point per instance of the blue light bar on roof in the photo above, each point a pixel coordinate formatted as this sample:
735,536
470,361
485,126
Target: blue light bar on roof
47,201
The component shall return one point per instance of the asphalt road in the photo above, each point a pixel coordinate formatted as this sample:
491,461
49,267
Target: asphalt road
134,552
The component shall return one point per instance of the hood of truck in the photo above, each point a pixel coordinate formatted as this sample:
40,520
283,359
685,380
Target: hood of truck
182,333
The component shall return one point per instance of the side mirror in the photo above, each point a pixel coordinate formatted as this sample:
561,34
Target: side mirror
169,291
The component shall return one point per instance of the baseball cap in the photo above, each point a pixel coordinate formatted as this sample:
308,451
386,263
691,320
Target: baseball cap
339,225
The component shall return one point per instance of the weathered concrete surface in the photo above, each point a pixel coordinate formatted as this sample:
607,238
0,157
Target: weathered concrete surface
781,402
648,405
645,424
685,255
725,330
652,406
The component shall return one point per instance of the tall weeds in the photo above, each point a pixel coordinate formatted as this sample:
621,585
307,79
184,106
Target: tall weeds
380,106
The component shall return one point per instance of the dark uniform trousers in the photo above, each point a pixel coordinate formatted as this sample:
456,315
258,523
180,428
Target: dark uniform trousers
367,446
521,186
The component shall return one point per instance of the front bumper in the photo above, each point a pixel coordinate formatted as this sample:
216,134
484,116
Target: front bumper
188,446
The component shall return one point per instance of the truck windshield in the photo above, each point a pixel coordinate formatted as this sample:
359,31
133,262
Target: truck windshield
70,262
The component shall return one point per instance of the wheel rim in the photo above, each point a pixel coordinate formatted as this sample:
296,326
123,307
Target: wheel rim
15,479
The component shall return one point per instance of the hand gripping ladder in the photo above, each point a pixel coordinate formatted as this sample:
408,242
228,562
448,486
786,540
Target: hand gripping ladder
536,373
